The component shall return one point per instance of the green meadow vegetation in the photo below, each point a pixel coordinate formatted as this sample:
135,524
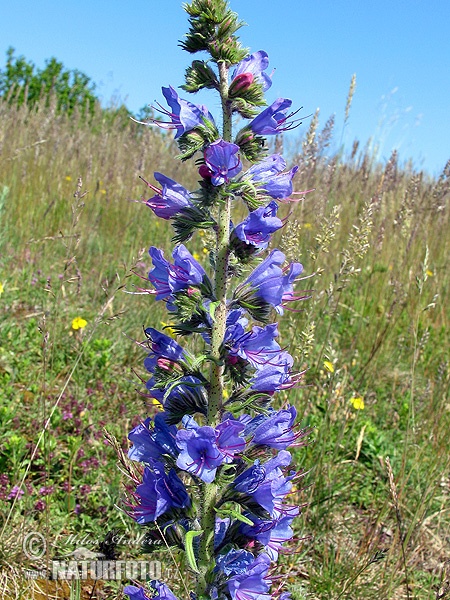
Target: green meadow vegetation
373,340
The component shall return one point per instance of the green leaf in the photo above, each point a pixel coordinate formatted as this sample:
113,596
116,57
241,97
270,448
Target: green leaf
212,309
188,541
225,512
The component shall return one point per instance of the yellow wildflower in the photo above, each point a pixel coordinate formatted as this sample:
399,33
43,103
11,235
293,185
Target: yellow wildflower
307,226
79,323
168,330
2,288
155,402
357,402
196,255
328,366
68,178
429,273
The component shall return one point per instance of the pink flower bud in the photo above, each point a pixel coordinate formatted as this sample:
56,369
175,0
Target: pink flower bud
241,83
165,364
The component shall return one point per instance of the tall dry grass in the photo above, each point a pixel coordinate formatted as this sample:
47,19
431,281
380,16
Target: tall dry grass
376,330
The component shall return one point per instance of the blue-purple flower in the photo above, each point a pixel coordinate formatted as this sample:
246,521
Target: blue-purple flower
229,440
135,593
273,284
158,493
199,453
257,346
163,592
250,480
169,278
276,486
152,438
266,483
254,64
276,430
273,119
273,378
222,161
162,347
280,187
265,169
269,176
170,199
271,533
235,561
184,115
257,228
254,583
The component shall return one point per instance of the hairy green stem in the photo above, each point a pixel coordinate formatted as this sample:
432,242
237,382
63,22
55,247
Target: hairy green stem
210,491
222,254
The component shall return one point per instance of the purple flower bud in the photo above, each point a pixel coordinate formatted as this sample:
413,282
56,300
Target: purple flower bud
222,162
254,64
204,172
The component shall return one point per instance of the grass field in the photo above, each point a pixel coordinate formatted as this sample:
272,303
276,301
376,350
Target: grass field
374,338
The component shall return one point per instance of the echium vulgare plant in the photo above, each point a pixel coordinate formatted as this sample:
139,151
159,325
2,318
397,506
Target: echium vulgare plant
215,472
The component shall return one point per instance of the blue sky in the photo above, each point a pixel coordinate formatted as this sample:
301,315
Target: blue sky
399,50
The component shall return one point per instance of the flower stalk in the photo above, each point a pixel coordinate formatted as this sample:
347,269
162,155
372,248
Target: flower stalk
215,482
221,270
206,550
